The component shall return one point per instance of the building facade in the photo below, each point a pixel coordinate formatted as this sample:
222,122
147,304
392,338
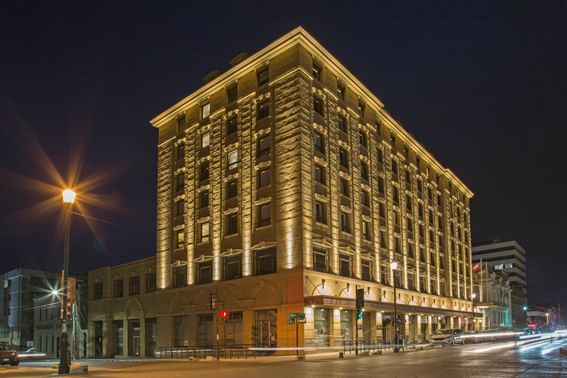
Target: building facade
283,186
20,289
493,298
509,258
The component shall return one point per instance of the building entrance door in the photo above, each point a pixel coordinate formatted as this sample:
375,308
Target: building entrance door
98,339
134,337
151,337
266,328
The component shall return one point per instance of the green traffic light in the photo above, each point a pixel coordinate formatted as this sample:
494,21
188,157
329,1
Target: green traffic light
359,315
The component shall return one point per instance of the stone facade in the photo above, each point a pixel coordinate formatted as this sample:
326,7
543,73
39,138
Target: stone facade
284,185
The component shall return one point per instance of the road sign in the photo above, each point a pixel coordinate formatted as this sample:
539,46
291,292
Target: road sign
297,315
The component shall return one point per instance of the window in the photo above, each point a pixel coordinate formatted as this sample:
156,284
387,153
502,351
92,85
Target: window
343,158
344,265
408,178
366,269
381,186
179,276
364,198
345,223
266,260
385,274
316,71
204,171
180,124
231,189
134,285
232,159
180,151
179,182
231,125
319,142
361,108
364,171
205,110
204,199
232,224
319,259
98,292
204,232
205,272
343,124
179,239
419,187
118,288
366,234
263,178
396,195
383,242
318,105
151,282
395,167
263,76
205,140
363,139
344,185
382,213
264,146
264,215
263,110
341,89
179,208
319,174
232,94
406,152
393,140
232,267
320,213
380,156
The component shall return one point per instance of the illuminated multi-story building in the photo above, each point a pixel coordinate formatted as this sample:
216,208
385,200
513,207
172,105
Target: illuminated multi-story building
283,186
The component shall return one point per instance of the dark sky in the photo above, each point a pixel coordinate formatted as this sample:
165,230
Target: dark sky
483,85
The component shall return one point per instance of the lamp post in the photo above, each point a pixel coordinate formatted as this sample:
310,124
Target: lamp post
394,267
473,297
64,361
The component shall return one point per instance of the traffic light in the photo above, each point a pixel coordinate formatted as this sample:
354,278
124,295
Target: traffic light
359,315
213,301
525,307
69,307
224,315
359,299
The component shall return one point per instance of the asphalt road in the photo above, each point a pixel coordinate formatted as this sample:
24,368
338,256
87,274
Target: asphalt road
478,360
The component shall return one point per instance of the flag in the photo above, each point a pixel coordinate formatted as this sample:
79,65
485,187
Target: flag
476,268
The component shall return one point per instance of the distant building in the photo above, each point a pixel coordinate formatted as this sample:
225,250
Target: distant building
19,289
283,186
508,258
493,298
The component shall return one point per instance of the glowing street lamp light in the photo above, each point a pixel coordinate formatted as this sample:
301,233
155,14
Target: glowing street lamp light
394,267
69,196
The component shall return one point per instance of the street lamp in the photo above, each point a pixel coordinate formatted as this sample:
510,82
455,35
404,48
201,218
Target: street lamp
394,267
547,318
473,297
68,199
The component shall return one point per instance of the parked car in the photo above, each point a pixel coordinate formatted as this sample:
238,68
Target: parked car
8,355
450,336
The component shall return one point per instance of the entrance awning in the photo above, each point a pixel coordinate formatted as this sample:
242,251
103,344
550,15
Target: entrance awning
328,301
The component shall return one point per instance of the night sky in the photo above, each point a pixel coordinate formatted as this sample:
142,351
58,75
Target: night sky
483,85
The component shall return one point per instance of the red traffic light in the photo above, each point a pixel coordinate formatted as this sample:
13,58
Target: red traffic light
224,314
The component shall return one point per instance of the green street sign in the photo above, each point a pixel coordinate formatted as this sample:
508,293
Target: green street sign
296,315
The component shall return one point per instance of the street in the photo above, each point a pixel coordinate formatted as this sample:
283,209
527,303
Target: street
477,360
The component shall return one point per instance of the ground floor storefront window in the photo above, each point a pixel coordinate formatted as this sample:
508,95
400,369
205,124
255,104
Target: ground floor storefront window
321,324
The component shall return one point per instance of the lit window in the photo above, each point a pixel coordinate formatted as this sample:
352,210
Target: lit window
179,239
204,232
205,140
233,159
205,110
